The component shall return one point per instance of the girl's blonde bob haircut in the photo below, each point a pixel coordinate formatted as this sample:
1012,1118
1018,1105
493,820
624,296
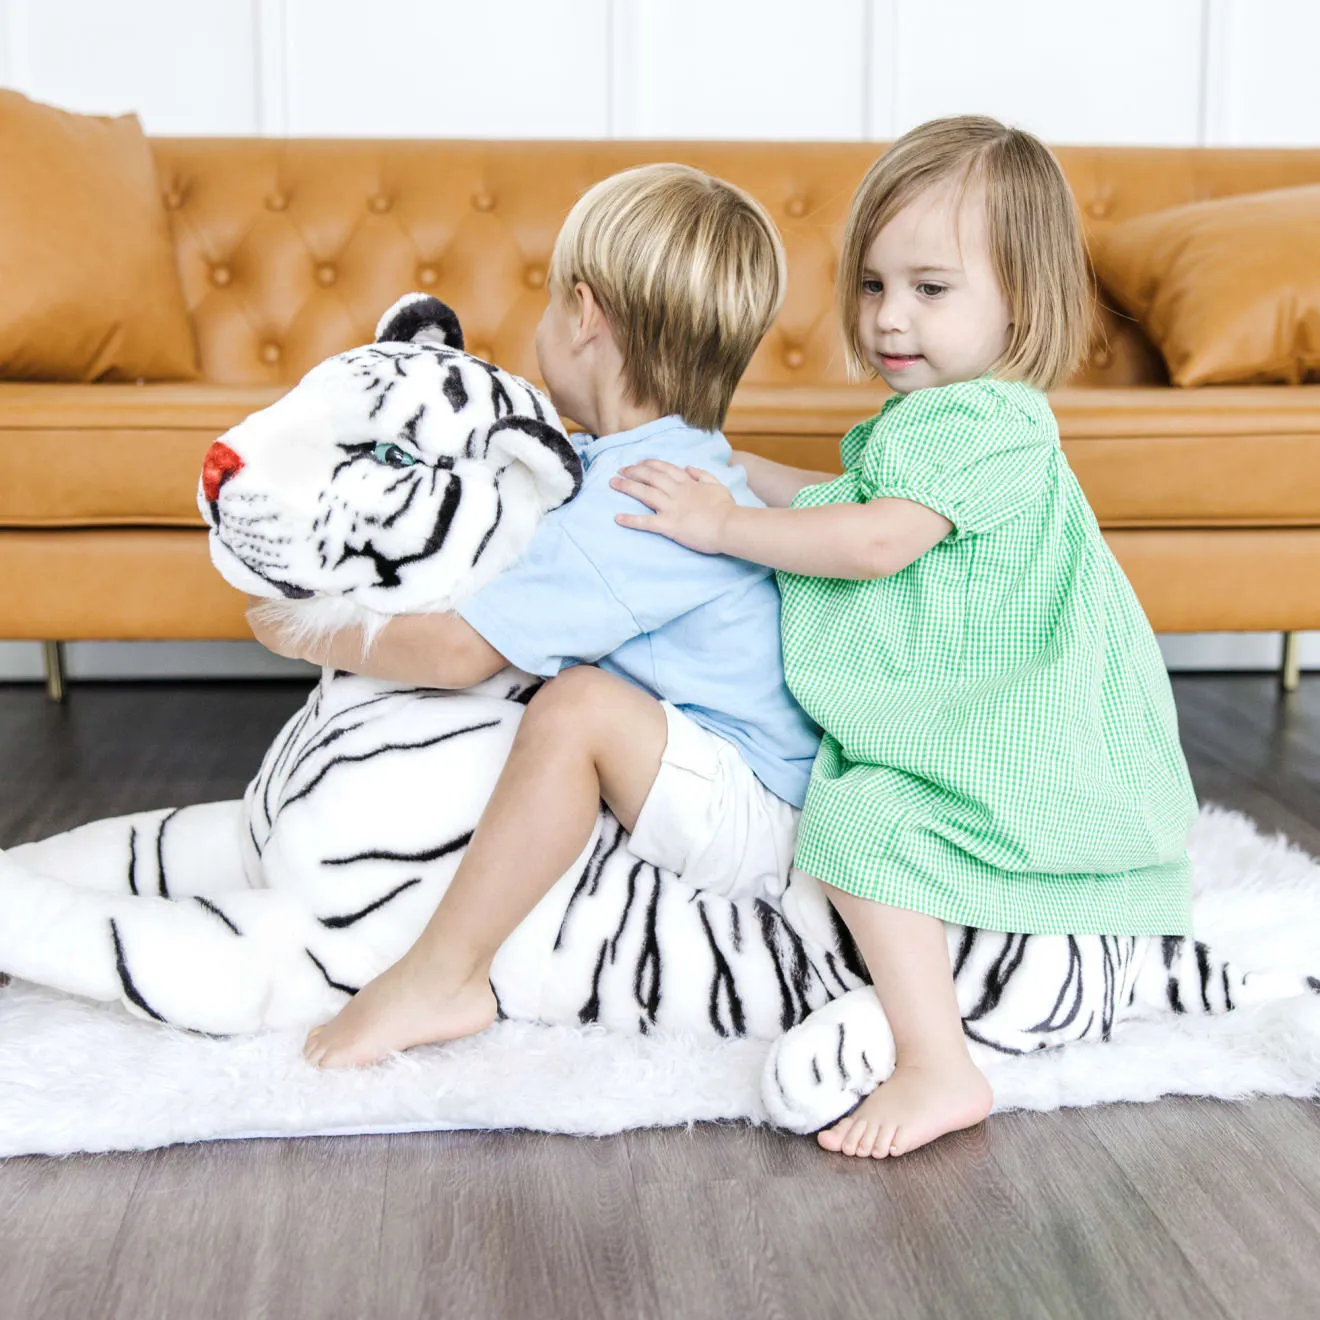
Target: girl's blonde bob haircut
689,272
1035,239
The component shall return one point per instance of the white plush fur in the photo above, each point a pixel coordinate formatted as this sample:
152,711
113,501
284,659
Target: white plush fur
76,1076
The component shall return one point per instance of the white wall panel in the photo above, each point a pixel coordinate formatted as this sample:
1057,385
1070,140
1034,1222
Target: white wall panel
185,66
1263,73
1259,651
1133,71
20,661
396,68
271,71
728,69
1125,72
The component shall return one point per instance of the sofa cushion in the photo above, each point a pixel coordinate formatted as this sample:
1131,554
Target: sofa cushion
1228,290
1146,457
88,268
123,455
111,455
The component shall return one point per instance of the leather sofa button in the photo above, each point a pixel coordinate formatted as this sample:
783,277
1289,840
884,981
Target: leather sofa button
221,276
1102,358
427,276
534,277
483,201
172,199
277,201
796,207
326,274
1098,208
379,203
270,354
794,358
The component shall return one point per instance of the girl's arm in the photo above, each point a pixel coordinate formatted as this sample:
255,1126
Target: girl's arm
424,650
855,541
774,483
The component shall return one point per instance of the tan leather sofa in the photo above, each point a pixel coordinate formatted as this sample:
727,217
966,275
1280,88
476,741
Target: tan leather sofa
289,250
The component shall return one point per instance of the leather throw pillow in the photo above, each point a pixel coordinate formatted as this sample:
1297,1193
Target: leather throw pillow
89,283
1227,290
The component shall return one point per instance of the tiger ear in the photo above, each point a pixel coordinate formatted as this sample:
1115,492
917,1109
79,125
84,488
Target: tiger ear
544,451
418,318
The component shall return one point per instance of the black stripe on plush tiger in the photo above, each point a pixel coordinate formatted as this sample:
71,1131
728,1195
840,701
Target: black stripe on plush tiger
396,478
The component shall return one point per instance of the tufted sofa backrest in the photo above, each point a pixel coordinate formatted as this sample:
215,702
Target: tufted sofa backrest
290,249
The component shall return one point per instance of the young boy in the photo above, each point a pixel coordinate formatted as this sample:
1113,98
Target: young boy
666,695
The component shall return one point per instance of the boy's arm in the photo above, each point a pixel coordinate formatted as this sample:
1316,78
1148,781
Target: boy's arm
425,650
550,609
854,541
774,483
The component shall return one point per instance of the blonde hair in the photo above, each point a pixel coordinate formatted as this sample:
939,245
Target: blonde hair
1035,238
689,272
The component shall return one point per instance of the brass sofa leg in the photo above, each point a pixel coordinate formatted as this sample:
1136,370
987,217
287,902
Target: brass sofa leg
53,655
1290,673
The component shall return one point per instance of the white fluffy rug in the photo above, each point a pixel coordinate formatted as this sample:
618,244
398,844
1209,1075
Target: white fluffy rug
76,1076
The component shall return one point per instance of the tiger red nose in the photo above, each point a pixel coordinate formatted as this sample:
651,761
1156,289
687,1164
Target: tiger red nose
218,466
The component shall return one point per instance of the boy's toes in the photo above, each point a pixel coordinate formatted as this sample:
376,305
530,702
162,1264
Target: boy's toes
312,1047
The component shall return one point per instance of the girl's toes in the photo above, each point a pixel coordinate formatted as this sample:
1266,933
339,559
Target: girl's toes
855,1133
884,1143
832,1137
867,1144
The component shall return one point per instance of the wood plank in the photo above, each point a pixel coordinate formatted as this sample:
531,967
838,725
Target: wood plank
251,1228
939,1233
1236,1187
511,1224
59,1221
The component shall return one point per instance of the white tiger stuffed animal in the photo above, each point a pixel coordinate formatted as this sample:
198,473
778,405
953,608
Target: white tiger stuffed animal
399,477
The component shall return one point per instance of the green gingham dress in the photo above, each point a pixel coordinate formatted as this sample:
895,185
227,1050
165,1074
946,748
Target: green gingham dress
1001,747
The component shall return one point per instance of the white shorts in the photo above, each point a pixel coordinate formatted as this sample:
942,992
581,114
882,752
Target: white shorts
709,819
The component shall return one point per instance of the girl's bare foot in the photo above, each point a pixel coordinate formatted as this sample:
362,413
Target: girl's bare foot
918,1103
405,1006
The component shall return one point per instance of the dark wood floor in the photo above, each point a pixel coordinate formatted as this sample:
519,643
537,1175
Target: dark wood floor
1180,1209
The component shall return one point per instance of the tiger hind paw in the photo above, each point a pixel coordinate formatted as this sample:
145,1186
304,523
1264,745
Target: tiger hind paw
819,1070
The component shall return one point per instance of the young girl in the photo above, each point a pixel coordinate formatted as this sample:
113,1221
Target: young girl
1000,745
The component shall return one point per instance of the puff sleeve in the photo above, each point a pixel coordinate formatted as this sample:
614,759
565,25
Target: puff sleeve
963,450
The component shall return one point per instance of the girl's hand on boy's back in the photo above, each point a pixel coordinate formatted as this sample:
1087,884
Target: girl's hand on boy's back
691,506
845,540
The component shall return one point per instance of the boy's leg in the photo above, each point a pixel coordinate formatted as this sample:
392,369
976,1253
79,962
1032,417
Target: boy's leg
935,1087
587,735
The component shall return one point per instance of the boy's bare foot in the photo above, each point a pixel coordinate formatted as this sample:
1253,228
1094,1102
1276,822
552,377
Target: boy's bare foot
918,1103
404,1006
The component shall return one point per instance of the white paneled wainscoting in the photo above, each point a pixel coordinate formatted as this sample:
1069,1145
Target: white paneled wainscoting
22,661
1162,73
1167,73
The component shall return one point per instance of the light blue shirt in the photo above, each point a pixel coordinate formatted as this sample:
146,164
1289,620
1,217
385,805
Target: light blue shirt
699,631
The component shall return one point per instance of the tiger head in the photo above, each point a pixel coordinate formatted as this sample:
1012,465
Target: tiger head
394,478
